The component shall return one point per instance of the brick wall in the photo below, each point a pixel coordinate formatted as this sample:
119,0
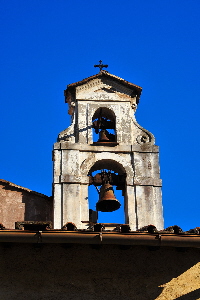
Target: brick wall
21,204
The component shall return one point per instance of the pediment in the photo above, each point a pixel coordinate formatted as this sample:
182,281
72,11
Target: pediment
101,90
103,87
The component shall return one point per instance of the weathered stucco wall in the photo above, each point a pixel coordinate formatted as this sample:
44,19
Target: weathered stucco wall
61,272
72,164
21,204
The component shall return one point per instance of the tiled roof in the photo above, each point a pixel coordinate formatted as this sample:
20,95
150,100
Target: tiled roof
95,237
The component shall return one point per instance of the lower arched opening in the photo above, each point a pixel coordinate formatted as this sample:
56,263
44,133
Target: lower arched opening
106,192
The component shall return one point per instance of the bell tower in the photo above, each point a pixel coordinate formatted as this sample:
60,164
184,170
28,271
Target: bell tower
105,146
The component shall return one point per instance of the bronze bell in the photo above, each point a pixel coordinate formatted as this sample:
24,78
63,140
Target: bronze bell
102,136
107,201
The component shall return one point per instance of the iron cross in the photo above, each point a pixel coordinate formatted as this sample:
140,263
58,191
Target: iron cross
100,66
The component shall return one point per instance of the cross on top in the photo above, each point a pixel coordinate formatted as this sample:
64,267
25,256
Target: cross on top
100,66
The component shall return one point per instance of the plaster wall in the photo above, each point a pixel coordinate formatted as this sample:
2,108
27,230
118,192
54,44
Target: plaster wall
123,114
143,184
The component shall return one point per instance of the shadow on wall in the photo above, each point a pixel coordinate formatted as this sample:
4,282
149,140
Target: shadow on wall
184,287
195,295
37,208
113,272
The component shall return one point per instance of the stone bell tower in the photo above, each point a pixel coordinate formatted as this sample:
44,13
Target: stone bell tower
104,105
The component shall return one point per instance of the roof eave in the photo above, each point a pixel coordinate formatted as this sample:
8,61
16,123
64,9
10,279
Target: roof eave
102,238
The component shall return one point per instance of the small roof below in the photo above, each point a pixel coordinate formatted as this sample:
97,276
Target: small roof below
18,187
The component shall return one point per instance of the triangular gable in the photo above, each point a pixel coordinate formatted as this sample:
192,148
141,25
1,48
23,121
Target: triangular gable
102,86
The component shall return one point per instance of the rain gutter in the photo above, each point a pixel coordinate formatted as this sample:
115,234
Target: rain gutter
104,238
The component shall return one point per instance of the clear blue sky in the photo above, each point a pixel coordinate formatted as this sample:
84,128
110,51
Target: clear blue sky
46,45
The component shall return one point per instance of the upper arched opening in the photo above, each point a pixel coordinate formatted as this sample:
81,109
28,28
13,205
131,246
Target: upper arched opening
104,125
105,113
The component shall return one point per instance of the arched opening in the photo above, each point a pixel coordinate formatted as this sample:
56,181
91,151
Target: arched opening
112,172
104,127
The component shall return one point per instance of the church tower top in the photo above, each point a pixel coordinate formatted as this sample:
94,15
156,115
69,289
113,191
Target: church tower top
106,82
